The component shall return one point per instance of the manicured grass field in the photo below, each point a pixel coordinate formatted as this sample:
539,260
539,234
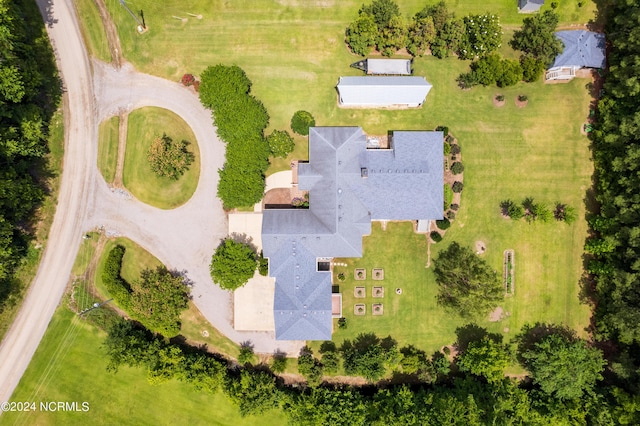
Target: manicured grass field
294,53
70,366
412,317
92,29
108,147
146,124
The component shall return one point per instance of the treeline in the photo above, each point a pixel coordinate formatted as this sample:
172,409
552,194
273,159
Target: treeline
614,243
471,391
29,95
156,299
433,29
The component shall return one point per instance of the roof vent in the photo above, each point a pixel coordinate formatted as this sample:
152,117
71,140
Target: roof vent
364,172
339,190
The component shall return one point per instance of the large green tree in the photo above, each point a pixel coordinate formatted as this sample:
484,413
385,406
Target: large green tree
563,365
466,283
536,38
233,264
362,34
382,11
253,391
158,299
486,358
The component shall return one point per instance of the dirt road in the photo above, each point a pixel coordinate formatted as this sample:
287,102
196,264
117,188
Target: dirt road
183,238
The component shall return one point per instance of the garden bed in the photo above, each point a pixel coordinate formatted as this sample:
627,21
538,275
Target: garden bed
359,309
360,292
509,272
378,309
378,274
360,274
378,292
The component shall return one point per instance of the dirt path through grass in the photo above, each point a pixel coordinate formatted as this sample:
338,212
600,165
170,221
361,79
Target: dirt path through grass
112,35
122,146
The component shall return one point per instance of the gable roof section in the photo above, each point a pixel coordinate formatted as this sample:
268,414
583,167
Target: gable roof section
530,5
389,66
376,91
581,49
406,182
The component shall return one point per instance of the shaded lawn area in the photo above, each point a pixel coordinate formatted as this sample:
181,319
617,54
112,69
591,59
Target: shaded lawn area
108,147
70,365
135,260
144,126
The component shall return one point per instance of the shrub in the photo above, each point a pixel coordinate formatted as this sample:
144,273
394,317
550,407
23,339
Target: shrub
435,237
455,149
467,80
169,158
532,68
280,143
451,214
447,148
565,213
523,98
457,187
454,207
188,80
443,224
554,5
246,354
361,35
117,287
457,168
279,363
443,129
301,121
499,98
515,212
448,196
341,276
342,323
263,265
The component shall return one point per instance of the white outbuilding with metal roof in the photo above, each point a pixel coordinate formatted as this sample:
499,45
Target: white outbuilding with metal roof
382,91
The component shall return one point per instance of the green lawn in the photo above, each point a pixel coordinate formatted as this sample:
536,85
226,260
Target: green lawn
412,317
108,147
144,125
93,33
70,365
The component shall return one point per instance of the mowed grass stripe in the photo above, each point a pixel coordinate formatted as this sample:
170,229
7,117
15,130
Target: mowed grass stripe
108,148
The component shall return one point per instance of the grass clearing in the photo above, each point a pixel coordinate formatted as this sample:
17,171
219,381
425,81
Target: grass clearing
144,125
93,33
108,137
70,365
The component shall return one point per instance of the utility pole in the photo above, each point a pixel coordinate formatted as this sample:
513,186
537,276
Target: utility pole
94,306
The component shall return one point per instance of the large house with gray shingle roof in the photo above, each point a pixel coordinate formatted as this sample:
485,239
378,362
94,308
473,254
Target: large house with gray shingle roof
349,186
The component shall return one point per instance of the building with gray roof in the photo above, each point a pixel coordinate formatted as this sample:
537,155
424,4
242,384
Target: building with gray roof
582,49
349,186
529,6
377,91
373,66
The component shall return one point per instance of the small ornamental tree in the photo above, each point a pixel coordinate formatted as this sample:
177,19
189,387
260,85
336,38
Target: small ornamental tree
484,35
280,143
443,224
301,121
537,37
565,213
188,80
246,354
233,264
279,362
457,187
169,158
435,236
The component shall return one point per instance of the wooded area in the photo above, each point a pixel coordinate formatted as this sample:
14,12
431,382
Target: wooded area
30,92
